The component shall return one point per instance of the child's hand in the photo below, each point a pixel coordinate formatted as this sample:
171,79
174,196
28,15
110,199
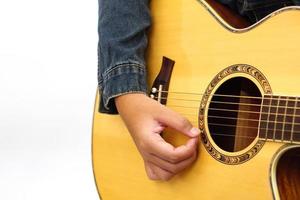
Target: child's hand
145,120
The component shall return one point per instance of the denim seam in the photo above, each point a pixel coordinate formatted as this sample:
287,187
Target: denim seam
106,74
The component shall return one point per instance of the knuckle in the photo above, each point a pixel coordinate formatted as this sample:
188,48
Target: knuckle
174,158
166,177
151,177
174,169
195,155
190,151
185,123
192,159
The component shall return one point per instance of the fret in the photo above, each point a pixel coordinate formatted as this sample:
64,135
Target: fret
296,126
272,117
275,120
289,118
280,112
284,113
265,105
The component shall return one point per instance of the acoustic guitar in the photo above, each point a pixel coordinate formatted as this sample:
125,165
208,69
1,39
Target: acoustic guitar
239,83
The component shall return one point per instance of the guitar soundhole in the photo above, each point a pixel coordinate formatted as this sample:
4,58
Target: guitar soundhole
233,115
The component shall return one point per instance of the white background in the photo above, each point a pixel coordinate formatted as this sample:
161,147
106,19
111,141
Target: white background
48,79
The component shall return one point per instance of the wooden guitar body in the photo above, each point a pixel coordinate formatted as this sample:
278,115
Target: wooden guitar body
262,59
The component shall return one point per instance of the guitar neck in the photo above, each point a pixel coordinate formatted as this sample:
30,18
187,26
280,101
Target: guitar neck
280,119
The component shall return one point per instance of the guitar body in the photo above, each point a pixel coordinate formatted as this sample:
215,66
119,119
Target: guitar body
202,48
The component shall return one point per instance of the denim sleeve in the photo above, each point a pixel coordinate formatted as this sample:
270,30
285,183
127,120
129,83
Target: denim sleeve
122,29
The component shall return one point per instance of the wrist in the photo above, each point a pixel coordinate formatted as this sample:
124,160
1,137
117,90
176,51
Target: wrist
128,99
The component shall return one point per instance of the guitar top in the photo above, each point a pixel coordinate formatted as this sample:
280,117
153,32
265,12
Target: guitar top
239,83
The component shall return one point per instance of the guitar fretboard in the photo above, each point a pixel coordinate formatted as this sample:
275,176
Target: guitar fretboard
280,119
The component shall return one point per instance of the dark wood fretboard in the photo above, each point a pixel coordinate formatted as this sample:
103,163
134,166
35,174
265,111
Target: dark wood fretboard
280,119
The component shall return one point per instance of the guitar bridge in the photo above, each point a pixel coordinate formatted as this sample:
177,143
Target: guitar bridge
160,87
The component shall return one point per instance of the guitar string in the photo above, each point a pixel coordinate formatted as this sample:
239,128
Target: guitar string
229,135
229,102
239,118
251,104
251,112
267,121
252,127
243,111
234,103
252,137
271,97
266,96
249,137
251,119
248,127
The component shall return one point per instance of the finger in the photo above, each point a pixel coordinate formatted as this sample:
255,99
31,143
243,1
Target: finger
161,173
150,172
174,120
159,128
171,167
166,151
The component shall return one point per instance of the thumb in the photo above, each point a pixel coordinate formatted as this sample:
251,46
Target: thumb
174,120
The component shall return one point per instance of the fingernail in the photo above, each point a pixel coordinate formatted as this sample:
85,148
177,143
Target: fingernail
194,131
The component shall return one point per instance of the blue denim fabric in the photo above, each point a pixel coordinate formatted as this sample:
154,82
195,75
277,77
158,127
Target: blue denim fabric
122,32
255,10
122,29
